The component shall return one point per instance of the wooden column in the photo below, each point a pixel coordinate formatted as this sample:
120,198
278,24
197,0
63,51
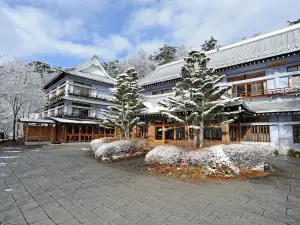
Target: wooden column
26,132
79,137
40,133
163,132
52,132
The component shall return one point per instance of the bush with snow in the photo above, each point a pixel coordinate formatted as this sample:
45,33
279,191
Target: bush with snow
217,161
164,155
95,144
119,149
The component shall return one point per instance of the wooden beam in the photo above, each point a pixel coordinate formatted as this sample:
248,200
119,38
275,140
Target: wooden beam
40,133
52,132
26,132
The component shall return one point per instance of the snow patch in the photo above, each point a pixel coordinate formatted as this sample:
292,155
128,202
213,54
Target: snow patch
2,164
85,149
164,155
35,150
9,157
11,151
11,148
8,190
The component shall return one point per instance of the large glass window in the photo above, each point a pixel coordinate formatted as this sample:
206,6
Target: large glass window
169,134
213,133
246,76
252,89
162,91
158,133
293,68
296,134
180,134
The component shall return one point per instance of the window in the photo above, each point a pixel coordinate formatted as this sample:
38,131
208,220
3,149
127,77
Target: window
296,134
295,81
246,76
180,134
82,91
84,84
256,133
169,134
213,133
293,68
161,92
253,89
158,133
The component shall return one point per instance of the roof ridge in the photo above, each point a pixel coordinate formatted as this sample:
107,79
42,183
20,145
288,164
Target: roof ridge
260,37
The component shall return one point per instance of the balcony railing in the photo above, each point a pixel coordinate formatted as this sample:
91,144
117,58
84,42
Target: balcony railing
269,92
55,97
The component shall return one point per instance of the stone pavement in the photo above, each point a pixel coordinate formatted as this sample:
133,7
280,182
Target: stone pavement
64,185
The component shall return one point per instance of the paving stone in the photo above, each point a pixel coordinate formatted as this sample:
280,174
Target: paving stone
110,202
106,214
71,222
130,214
28,206
154,202
149,221
179,212
121,221
174,220
82,214
89,203
35,215
59,215
154,213
260,219
44,222
96,221
68,202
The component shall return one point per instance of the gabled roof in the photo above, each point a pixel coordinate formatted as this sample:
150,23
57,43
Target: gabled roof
276,43
90,69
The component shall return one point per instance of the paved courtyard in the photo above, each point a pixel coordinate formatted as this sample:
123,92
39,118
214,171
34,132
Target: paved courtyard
64,185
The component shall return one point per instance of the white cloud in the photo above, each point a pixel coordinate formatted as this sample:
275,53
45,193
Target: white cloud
27,31
73,27
194,21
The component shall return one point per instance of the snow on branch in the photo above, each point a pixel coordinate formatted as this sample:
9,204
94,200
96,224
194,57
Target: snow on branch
172,117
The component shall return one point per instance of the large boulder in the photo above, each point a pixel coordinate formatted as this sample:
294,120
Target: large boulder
119,149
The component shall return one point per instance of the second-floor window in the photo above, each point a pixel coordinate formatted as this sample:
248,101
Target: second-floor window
252,89
293,68
246,76
82,91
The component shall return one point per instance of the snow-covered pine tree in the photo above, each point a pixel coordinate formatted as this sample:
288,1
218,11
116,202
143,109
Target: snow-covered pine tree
135,104
127,104
198,96
165,54
209,44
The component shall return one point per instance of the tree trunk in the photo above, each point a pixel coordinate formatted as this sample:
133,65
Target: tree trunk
201,133
14,129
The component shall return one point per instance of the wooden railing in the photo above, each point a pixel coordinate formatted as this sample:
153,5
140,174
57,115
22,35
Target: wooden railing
269,92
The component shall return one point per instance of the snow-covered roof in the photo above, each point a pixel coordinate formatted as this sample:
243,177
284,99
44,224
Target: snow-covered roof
274,106
283,41
29,120
151,102
90,69
61,120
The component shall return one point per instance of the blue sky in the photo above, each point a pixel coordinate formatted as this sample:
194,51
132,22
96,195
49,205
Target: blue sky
66,32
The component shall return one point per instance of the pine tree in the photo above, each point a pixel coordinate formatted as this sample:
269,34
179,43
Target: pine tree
164,55
291,23
209,44
197,95
127,104
112,67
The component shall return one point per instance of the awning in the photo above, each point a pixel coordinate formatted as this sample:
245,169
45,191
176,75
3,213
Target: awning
32,120
61,120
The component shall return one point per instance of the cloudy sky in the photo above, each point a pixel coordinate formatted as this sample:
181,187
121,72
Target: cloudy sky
66,32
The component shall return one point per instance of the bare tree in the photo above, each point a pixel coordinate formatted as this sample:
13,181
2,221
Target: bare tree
21,87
